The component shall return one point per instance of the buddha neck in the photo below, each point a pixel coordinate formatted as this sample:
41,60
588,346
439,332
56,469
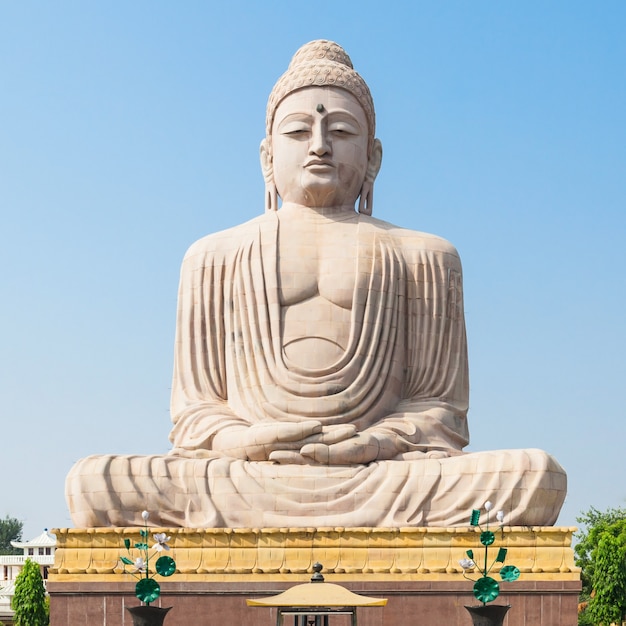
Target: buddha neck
317,214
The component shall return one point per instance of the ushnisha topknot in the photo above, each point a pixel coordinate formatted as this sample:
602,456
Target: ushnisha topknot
321,63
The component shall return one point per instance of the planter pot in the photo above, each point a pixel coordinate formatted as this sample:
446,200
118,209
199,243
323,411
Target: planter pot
488,615
147,615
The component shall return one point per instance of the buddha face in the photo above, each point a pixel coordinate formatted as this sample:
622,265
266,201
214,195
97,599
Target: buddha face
319,147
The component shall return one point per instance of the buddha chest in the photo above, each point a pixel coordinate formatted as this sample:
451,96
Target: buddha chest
317,271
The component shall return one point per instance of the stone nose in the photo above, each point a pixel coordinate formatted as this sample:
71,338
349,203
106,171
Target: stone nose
320,141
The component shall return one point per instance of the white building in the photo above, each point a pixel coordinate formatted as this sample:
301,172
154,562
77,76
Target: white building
40,549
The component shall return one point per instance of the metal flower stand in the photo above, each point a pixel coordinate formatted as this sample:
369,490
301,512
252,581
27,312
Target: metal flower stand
486,588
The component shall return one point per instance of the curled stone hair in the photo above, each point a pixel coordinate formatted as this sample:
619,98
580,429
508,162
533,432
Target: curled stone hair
317,64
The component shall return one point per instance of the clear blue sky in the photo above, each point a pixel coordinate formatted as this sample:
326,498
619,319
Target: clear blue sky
131,129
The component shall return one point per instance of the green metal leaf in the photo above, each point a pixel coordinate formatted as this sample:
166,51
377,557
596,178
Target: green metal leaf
127,543
474,519
509,573
486,589
165,566
147,590
487,537
144,533
126,561
470,554
141,546
501,555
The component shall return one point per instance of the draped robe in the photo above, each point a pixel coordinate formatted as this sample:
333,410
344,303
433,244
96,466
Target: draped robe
404,369
403,372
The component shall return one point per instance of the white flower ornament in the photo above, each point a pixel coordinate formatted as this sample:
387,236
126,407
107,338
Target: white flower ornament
161,542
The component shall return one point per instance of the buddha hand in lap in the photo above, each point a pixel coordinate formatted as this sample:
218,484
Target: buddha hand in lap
319,352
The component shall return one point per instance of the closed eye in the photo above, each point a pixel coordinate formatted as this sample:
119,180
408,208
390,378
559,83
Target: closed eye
294,128
342,128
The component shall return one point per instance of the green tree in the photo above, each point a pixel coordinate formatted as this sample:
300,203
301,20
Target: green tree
10,530
609,581
29,602
601,554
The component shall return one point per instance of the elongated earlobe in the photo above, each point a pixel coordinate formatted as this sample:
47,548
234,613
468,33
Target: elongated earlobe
366,198
271,197
271,194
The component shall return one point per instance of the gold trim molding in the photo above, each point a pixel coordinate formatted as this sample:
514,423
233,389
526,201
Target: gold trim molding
286,554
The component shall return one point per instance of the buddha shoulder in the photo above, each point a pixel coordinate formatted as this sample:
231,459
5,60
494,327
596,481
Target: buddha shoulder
412,242
226,242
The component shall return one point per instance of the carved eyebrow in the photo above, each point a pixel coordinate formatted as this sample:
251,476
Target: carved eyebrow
294,118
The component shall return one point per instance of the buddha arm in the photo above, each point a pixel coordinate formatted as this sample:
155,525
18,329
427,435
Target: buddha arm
416,430
199,401
432,413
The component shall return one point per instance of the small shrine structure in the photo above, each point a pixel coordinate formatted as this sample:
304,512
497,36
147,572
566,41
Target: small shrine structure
40,550
312,604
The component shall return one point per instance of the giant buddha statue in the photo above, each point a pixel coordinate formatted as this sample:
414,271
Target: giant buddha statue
320,374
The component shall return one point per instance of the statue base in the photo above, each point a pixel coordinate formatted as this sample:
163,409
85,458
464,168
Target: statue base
417,569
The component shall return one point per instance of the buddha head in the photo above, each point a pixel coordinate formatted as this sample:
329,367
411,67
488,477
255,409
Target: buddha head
320,148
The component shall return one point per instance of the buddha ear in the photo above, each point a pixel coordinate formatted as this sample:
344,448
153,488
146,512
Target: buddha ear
366,198
375,161
267,167
266,159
